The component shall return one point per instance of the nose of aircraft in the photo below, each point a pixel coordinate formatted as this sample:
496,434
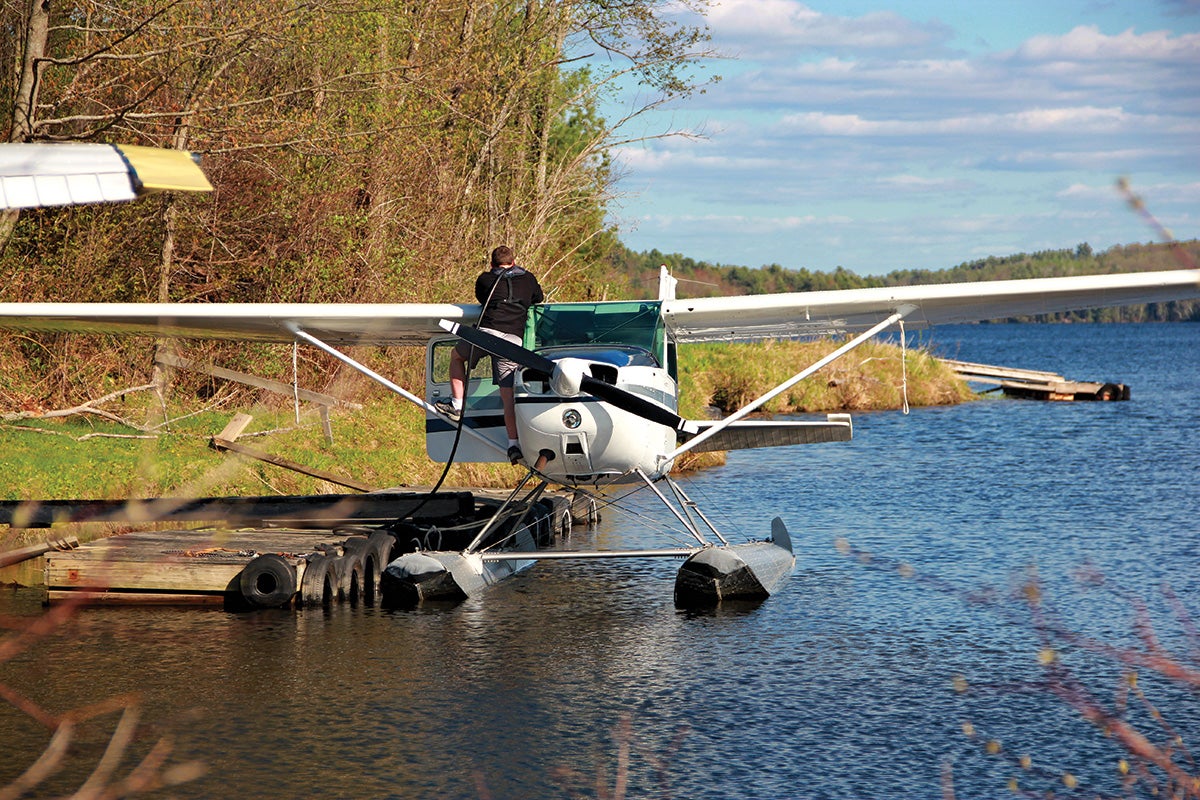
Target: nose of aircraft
568,376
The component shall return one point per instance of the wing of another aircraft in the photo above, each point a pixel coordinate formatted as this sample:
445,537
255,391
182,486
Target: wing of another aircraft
72,173
815,314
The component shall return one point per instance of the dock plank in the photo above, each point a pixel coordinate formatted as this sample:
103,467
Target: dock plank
200,562
1037,385
206,564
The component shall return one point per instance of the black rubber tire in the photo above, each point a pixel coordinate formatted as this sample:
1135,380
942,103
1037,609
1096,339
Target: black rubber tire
376,556
318,587
268,581
349,569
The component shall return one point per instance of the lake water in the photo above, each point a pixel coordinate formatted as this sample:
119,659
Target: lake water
583,680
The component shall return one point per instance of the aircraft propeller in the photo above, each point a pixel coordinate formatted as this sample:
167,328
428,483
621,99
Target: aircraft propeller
568,377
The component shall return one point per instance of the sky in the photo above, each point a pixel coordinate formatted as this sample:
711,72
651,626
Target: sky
920,134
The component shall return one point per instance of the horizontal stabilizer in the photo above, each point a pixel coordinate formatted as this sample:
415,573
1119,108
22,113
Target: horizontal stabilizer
747,434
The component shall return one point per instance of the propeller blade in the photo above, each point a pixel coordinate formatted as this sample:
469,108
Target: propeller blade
605,391
636,405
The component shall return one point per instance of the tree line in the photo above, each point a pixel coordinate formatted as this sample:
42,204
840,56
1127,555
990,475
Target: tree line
359,152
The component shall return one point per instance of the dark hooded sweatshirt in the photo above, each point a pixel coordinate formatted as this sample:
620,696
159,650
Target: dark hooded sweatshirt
515,291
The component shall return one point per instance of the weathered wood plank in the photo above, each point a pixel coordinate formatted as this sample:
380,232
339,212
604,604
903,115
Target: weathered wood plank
987,373
143,575
309,511
176,561
278,387
241,449
235,427
134,598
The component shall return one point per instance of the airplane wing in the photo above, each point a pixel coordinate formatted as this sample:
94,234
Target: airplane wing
333,323
70,173
815,314
747,434
744,318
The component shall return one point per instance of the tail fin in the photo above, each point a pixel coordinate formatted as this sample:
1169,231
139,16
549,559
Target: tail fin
666,284
779,534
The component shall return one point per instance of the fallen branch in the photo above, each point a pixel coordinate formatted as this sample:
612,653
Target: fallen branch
85,408
85,437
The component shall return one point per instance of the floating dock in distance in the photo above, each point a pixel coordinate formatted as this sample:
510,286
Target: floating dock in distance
1035,385
318,559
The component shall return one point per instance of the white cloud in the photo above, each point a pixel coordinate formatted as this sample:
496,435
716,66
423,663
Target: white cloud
742,224
685,158
778,28
1087,43
1157,192
916,184
1034,120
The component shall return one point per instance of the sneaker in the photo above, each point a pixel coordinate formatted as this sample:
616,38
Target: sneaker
446,408
515,454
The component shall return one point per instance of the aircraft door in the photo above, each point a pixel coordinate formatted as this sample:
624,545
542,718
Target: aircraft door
484,412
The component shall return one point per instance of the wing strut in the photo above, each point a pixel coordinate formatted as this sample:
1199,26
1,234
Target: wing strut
528,502
686,520
745,410
375,376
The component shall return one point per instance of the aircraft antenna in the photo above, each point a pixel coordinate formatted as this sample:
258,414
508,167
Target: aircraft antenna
903,366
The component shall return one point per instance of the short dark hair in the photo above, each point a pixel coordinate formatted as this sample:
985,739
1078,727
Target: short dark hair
503,256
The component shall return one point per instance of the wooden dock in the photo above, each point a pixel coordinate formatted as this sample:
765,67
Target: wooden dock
1036,385
316,552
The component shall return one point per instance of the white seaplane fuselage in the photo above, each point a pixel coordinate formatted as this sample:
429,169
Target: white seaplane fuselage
593,441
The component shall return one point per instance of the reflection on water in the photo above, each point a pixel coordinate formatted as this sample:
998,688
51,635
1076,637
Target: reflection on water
840,686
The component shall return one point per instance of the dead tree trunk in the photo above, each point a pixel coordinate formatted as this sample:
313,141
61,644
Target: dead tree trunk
37,33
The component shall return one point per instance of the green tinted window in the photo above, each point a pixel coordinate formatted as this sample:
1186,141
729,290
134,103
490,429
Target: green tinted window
440,363
637,323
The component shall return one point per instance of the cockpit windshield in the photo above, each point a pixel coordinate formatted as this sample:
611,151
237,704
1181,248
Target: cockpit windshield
617,355
635,323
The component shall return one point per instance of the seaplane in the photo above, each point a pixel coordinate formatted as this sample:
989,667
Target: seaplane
596,391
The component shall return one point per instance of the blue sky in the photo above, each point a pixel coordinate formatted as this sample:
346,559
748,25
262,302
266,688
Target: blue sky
888,135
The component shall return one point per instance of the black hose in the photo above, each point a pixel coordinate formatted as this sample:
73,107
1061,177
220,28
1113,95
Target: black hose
461,418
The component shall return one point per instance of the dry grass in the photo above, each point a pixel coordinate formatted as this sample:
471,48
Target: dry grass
871,377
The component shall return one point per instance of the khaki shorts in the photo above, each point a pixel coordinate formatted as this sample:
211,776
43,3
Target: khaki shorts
502,368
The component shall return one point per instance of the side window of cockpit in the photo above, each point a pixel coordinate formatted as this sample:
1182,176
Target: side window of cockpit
672,360
439,363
